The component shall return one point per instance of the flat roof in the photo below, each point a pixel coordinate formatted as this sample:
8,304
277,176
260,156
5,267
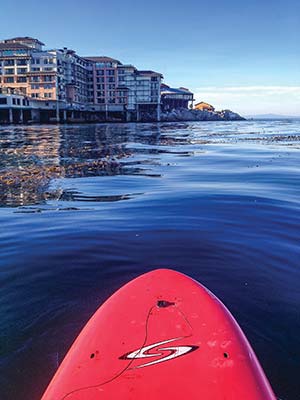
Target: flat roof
102,59
24,39
13,46
149,72
169,90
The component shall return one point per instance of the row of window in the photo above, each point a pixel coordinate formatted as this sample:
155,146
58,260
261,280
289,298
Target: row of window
11,71
37,95
12,62
104,65
15,101
111,93
23,79
37,69
46,78
121,100
45,86
109,79
43,61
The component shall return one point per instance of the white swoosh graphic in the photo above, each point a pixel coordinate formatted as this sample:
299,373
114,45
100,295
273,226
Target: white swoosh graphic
143,352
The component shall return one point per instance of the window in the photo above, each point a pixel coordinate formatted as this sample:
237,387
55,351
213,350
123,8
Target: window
21,79
111,79
3,100
35,86
35,95
110,72
99,80
21,62
47,95
100,72
47,78
122,93
21,70
35,69
9,80
9,71
34,79
9,62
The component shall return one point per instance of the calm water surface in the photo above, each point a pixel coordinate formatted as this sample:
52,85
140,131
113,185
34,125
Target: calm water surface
84,209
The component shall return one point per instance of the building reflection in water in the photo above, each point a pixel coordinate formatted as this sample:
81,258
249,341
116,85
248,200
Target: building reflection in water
31,157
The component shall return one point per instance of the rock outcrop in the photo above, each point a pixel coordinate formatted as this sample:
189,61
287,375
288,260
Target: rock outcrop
183,114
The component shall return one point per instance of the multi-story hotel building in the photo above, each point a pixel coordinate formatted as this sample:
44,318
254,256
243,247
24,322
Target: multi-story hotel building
119,84
43,75
92,84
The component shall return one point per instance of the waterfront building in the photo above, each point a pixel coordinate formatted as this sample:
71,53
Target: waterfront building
15,62
202,106
147,91
13,107
58,82
138,92
104,81
174,98
58,74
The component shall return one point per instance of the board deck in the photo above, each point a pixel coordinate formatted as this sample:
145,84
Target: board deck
161,336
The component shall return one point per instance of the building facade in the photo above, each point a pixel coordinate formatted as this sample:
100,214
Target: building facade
92,84
114,83
174,98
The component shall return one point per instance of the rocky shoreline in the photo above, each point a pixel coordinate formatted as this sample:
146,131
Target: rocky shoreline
200,115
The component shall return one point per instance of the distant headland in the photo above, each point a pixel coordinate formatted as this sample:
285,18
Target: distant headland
272,116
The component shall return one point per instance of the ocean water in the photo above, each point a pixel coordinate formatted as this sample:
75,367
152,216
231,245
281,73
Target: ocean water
86,208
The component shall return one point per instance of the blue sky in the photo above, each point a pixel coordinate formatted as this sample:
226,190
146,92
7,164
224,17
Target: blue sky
234,54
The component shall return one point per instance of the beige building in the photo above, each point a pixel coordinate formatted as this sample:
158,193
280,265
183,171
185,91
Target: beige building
43,75
204,106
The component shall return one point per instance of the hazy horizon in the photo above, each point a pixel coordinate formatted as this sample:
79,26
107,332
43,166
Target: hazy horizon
239,56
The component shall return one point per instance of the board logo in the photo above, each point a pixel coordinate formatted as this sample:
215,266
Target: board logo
172,352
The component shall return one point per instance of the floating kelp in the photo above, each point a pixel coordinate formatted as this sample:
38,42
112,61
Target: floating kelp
29,185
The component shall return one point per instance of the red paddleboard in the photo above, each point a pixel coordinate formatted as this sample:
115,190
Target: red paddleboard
161,336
